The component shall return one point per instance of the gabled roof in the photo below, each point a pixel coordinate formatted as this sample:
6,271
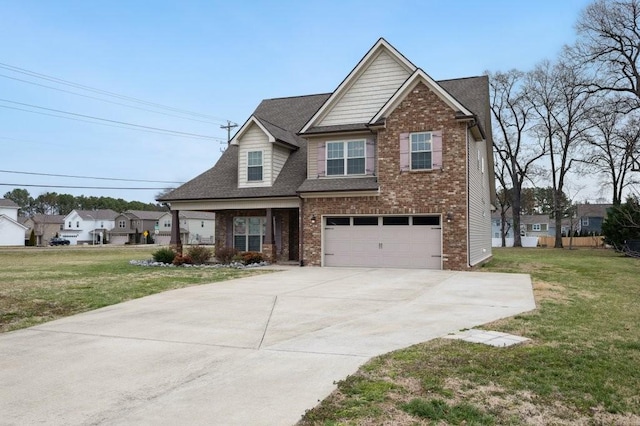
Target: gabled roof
221,181
365,62
144,214
14,222
593,210
5,202
48,218
101,214
415,78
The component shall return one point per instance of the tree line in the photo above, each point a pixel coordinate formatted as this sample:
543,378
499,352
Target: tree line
576,114
51,203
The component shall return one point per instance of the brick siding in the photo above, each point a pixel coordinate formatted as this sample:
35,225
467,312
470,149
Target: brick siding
438,191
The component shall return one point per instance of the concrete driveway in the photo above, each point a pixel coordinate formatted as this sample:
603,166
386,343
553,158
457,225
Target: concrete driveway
258,350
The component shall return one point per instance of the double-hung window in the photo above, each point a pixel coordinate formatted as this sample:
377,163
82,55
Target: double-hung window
248,233
346,158
254,166
421,150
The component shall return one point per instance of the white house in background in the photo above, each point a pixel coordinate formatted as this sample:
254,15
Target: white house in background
88,226
11,231
195,227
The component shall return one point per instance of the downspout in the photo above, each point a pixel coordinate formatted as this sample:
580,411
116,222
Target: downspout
468,166
301,230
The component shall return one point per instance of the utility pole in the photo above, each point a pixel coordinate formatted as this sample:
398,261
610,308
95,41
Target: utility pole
230,125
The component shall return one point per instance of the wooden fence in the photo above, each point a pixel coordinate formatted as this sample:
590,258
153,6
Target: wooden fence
577,241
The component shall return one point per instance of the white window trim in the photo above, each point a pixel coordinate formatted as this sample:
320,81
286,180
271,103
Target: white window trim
411,151
345,158
247,235
261,166
585,221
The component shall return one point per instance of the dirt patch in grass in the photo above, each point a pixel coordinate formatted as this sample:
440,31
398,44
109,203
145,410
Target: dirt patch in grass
543,290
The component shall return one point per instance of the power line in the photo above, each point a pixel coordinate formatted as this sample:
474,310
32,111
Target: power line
103,92
80,187
146,128
88,177
108,101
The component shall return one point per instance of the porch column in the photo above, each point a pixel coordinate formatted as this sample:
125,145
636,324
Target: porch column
175,242
268,247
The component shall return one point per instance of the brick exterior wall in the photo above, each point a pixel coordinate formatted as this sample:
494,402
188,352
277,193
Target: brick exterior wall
438,191
289,231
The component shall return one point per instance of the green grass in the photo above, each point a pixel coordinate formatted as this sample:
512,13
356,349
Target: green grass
582,365
42,284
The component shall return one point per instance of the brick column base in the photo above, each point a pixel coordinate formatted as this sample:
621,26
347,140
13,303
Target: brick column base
269,252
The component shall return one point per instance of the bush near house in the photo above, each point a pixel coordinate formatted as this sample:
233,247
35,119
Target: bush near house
182,260
199,254
249,257
164,255
225,255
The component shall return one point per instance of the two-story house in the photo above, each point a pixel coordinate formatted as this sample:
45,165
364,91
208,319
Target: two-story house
131,226
391,169
88,226
44,226
11,231
590,218
196,227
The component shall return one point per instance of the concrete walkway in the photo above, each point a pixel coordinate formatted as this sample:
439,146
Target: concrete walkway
258,350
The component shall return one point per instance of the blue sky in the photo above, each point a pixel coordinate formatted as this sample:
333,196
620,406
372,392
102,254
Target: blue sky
218,59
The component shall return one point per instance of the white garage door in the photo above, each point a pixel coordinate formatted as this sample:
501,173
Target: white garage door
383,241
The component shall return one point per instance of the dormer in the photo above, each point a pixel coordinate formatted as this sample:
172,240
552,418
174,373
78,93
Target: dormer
263,148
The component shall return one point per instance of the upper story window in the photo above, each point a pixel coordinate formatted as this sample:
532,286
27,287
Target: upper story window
167,224
69,224
254,166
202,224
77,224
122,224
585,221
346,158
421,149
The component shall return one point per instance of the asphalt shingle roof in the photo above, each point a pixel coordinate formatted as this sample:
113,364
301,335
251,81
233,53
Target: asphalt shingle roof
5,202
284,118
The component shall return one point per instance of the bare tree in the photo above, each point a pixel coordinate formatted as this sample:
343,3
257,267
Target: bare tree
614,138
516,153
609,44
503,198
562,102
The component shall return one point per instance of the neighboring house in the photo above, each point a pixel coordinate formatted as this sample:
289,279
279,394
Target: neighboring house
45,227
195,227
88,226
131,225
496,225
535,225
589,218
11,231
392,169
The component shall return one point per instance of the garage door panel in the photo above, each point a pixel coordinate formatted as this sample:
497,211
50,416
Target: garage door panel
396,246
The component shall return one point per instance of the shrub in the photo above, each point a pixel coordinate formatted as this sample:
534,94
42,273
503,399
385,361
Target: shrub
225,254
249,257
164,255
199,254
182,259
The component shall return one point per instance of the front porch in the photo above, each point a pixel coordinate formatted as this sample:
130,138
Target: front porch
274,232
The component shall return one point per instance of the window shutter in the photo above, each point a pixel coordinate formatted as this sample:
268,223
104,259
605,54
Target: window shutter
370,160
321,163
405,154
436,148
229,231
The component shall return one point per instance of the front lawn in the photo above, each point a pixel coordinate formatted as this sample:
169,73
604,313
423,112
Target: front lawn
42,284
581,367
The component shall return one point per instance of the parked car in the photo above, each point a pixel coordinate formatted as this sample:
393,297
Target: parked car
59,242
